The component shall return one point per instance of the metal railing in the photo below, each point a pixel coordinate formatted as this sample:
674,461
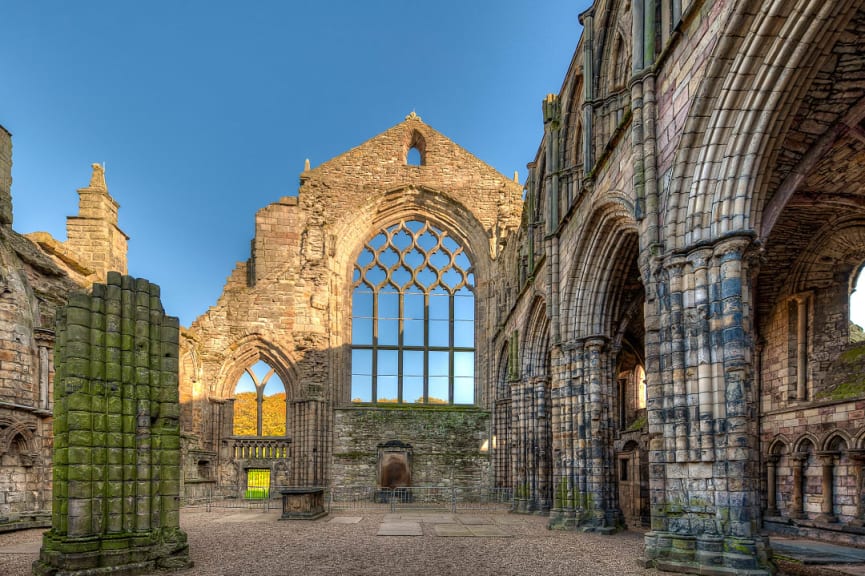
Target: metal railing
454,499
440,498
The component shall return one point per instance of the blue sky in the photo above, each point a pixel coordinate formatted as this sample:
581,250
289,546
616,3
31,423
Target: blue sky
204,111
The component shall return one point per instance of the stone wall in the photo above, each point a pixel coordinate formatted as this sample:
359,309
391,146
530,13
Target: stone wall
289,304
34,282
5,177
446,444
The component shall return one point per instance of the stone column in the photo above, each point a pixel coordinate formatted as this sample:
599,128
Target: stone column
858,456
772,485
827,512
798,500
117,436
601,512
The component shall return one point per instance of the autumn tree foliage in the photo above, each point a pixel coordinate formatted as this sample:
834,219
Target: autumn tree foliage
246,414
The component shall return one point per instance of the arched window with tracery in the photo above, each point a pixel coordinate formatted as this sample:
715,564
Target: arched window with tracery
259,402
413,317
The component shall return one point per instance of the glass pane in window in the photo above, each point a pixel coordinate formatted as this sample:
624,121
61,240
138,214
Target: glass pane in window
438,390
464,305
427,242
439,333
361,331
412,363
440,259
464,334
387,363
464,365
462,261
386,387
439,363
413,304
401,276
378,241
413,259
388,304
375,275
364,258
361,388
426,277
412,332
361,302
464,390
388,258
401,240
450,244
388,332
412,389
361,361
452,277
439,305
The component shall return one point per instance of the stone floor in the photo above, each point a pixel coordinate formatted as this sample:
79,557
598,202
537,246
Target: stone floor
234,542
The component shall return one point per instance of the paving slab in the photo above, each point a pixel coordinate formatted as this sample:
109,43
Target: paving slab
452,530
400,529
346,519
429,518
474,520
246,517
488,531
510,519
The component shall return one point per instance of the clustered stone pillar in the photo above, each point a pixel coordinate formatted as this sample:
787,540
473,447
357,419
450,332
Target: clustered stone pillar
703,481
116,435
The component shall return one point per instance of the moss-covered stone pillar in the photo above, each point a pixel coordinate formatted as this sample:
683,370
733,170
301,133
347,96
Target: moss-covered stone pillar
116,435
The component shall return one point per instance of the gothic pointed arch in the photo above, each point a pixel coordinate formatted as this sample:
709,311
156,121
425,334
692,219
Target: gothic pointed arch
246,351
731,138
599,279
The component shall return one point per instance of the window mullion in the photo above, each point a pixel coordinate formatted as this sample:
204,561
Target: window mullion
450,347
399,355
426,347
374,370
259,401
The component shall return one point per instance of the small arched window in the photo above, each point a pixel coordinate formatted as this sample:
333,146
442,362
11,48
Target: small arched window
416,152
259,403
413,158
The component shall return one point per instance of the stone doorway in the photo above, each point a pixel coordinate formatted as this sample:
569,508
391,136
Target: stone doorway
630,480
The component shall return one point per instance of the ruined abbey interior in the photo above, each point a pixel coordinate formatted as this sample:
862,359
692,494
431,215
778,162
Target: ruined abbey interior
651,332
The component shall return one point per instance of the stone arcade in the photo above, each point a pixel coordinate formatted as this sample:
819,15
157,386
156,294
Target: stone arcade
652,331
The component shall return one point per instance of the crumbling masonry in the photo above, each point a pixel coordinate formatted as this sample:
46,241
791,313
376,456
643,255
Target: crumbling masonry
116,435
658,323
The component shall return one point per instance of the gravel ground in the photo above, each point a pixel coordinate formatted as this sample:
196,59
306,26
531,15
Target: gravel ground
232,543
